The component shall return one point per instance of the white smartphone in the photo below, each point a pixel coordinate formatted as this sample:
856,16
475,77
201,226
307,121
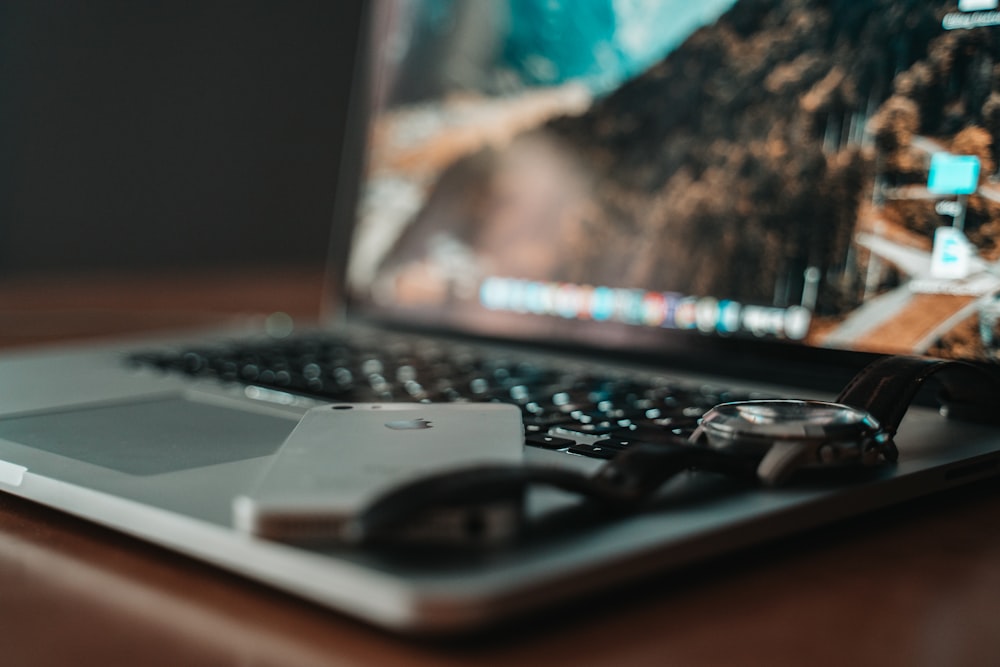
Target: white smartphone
339,458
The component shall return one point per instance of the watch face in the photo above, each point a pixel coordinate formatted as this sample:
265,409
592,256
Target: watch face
787,420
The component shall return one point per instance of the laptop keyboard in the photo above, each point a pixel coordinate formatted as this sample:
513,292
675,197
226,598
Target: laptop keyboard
570,408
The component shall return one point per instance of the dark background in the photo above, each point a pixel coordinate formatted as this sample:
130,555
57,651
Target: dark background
152,135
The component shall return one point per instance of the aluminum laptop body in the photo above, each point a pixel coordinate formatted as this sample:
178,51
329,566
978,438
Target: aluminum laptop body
737,194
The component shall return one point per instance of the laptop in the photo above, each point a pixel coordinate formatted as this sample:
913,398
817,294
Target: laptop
612,215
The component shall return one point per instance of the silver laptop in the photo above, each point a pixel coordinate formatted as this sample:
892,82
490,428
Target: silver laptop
612,214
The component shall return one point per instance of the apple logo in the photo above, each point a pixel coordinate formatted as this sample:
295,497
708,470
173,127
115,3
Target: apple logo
408,424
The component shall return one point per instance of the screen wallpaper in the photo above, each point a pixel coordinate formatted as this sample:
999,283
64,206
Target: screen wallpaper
821,172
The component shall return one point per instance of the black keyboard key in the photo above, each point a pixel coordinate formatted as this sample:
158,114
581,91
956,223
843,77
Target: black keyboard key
543,422
547,441
616,443
655,432
594,450
575,430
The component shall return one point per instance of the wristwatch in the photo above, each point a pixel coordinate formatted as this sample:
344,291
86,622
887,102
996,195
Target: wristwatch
856,429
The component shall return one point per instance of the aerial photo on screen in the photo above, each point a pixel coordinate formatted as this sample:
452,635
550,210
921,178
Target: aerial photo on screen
819,171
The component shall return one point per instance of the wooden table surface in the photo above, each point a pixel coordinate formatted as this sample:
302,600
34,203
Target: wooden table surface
917,584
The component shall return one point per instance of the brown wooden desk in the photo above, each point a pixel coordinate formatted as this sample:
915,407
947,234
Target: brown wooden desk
914,585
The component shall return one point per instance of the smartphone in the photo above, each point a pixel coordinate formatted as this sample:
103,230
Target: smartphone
340,458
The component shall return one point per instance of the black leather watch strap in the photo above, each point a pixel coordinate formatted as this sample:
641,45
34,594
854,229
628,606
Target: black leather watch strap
887,387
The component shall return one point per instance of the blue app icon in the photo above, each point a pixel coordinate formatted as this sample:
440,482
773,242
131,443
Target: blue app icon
976,5
953,174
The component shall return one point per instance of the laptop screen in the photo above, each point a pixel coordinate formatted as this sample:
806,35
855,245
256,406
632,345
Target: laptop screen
635,173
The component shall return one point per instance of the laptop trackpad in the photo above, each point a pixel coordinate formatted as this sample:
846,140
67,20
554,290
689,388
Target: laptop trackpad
153,436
